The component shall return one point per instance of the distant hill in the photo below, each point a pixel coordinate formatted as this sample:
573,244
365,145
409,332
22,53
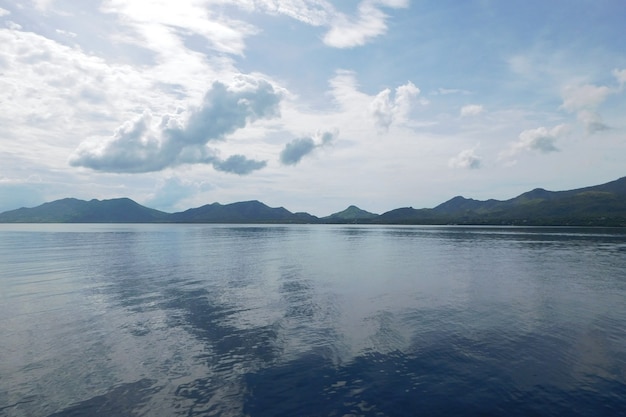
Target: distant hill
71,210
600,205
242,212
590,206
351,214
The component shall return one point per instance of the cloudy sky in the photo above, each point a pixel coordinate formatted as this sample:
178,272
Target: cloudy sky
308,104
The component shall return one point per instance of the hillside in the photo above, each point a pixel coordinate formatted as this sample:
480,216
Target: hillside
71,210
589,206
242,212
600,205
350,215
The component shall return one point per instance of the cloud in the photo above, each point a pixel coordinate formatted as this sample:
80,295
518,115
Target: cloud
592,121
584,100
620,76
66,33
447,91
386,109
344,30
370,22
584,96
540,139
150,143
466,159
160,26
472,110
294,151
12,25
4,12
238,164
311,12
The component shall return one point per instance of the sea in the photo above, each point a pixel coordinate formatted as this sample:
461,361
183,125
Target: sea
311,320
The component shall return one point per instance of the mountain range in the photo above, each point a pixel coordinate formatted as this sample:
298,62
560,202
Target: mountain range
599,205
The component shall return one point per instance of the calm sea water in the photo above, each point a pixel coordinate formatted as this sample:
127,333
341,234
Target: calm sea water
220,320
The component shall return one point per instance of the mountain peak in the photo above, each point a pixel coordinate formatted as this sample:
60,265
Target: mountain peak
352,213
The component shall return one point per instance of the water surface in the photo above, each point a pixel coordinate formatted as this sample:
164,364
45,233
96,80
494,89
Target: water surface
256,320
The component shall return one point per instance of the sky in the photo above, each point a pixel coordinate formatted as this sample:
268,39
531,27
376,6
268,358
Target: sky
312,105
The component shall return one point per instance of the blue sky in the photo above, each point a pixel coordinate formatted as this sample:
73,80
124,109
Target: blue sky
308,104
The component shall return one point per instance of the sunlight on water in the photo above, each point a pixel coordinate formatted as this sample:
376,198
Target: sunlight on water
166,320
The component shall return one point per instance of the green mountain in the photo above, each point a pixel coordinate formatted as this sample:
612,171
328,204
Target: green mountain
597,205
600,205
351,214
71,210
242,212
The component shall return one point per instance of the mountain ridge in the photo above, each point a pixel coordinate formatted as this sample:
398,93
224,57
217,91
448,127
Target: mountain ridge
599,205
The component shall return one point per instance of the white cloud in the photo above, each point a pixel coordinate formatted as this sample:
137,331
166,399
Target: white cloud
592,121
66,33
577,97
160,26
540,139
386,109
43,4
12,25
311,12
466,159
620,76
472,110
344,30
447,91
370,22
51,89
4,12
584,100
151,143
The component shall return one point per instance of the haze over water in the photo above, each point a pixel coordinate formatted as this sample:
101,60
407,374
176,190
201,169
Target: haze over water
257,320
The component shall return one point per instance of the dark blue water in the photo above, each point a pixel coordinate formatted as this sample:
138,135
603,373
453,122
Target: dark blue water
216,320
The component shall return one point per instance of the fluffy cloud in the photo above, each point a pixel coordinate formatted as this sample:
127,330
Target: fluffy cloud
386,109
472,110
294,151
151,143
466,159
4,12
540,139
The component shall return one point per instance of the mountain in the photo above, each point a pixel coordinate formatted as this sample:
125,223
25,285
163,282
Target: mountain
71,210
242,212
351,214
407,215
603,204
599,205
